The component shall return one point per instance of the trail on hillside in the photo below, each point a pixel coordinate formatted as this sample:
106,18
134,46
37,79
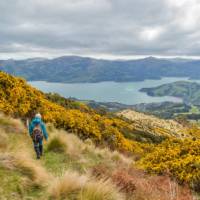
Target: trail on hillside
72,169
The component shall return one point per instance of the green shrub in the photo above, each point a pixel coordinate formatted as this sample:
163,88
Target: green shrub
56,144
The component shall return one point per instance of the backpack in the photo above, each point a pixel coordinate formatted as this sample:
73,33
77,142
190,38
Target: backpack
37,134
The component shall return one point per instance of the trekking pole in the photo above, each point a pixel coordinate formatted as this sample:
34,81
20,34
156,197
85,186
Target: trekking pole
27,124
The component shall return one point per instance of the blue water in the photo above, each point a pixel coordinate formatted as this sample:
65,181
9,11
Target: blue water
126,92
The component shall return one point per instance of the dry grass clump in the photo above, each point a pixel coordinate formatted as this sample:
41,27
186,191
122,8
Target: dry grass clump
100,190
10,125
137,185
62,142
75,186
31,169
3,140
100,171
158,187
118,157
124,181
68,186
75,145
6,161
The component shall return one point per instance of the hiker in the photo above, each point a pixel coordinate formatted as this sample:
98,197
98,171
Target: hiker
37,130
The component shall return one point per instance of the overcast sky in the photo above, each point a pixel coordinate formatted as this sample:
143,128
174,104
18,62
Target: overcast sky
101,28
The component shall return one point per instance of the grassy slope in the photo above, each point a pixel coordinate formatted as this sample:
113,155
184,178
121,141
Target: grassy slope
188,91
73,170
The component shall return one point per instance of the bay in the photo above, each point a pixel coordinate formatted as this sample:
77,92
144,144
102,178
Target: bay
121,92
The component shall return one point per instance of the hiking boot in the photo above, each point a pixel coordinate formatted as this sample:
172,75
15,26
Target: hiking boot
41,150
38,156
37,151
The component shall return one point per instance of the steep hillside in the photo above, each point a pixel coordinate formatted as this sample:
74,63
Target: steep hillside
154,125
21,100
154,145
74,170
80,69
188,91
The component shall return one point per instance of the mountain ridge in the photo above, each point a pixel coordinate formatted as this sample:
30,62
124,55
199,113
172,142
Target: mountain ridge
73,69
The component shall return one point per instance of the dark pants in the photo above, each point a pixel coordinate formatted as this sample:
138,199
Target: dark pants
38,146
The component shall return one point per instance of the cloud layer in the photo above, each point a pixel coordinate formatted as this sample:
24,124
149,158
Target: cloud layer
100,27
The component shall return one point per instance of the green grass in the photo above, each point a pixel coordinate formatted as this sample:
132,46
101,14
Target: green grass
14,186
58,163
194,110
57,145
10,184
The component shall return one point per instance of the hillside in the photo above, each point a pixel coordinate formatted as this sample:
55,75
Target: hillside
72,169
18,99
188,91
73,69
165,110
152,124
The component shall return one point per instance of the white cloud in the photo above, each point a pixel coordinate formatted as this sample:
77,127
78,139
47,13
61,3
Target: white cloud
186,13
150,34
179,3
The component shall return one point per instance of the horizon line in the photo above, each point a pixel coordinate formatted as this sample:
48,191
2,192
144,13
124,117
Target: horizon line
100,56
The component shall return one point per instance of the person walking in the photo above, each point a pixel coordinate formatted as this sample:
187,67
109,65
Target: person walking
37,131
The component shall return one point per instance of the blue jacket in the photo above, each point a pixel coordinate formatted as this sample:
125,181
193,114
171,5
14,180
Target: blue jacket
35,122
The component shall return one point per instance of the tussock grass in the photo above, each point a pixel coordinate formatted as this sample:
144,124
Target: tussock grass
100,190
3,140
74,186
26,166
67,187
10,125
30,168
7,161
76,148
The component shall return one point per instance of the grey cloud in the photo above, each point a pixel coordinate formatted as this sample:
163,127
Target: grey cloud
112,27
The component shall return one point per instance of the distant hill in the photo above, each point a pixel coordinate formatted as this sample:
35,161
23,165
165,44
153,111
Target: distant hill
165,110
73,69
188,91
152,124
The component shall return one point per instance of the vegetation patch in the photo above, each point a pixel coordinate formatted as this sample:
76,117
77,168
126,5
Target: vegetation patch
57,145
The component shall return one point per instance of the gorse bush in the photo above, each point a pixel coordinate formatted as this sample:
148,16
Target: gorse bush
68,103
179,158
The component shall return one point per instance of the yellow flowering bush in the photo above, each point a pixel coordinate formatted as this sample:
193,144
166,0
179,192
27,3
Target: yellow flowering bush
179,158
